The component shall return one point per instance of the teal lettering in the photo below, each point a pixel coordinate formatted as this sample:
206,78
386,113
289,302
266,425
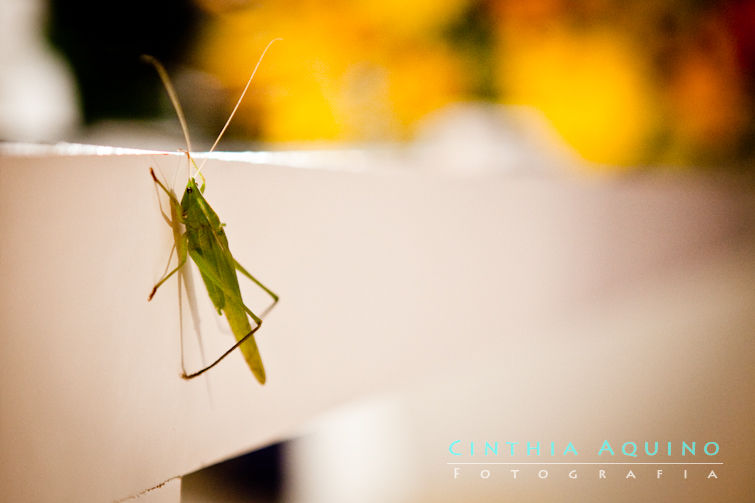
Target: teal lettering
605,447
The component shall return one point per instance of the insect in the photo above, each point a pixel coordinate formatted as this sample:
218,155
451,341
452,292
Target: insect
198,234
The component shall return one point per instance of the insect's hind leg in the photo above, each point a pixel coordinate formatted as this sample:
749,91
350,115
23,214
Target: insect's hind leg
205,268
246,273
222,357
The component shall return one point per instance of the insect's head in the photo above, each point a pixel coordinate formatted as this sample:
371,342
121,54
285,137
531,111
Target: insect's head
191,195
192,183
192,186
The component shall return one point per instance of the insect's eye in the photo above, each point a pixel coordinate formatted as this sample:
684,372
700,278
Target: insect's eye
189,190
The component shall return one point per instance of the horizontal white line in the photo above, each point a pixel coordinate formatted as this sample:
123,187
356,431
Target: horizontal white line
575,463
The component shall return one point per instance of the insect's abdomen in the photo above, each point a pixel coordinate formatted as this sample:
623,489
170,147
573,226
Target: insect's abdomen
239,322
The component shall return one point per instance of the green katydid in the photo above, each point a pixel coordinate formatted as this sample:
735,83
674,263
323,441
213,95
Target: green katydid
198,234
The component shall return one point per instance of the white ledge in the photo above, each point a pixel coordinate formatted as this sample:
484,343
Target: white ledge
385,279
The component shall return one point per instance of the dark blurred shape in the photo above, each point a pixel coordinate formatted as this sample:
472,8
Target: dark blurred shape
103,41
740,17
255,477
472,33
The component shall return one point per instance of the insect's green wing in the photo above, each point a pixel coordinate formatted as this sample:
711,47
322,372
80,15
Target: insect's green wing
208,247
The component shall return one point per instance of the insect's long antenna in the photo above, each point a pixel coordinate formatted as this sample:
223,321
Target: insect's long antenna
172,95
235,108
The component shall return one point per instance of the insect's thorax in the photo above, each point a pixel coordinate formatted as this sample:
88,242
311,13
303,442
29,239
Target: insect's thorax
200,219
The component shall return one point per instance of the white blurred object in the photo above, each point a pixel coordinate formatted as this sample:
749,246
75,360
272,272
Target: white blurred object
37,94
355,453
474,138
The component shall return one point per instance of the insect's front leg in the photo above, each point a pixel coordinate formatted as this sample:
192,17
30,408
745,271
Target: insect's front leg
173,199
175,205
162,211
181,249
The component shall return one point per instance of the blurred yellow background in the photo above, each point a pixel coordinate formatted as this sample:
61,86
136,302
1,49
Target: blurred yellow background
624,84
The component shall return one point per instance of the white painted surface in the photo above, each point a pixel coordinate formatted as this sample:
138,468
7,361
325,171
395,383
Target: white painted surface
387,277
